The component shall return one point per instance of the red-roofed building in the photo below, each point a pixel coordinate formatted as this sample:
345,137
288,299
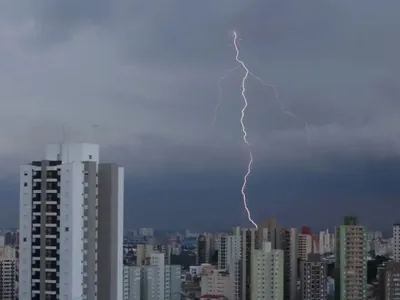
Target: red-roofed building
306,230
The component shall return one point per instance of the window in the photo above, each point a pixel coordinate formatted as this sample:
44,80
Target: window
24,239
25,184
67,229
90,156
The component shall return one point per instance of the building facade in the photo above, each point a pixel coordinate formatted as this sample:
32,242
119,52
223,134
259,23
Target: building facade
160,281
222,248
313,278
267,274
203,249
111,228
389,281
215,283
289,247
250,241
143,253
234,261
270,230
396,242
8,273
351,261
132,283
59,226
304,246
326,242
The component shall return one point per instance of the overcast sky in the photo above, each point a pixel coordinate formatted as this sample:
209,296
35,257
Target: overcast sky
141,78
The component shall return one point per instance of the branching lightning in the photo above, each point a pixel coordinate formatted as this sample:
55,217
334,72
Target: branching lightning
282,106
243,113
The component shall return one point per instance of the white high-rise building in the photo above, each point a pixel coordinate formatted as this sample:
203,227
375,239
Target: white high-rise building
326,242
155,277
161,281
267,273
233,261
173,284
62,216
396,242
132,282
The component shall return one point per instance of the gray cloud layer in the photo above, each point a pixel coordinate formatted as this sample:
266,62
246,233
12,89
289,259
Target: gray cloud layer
146,73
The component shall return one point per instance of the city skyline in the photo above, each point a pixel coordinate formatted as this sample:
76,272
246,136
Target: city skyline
152,85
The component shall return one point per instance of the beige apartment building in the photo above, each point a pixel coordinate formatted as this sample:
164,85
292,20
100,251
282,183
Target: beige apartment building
304,246
351,261
215,283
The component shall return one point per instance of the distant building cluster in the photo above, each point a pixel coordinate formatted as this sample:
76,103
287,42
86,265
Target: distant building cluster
278,263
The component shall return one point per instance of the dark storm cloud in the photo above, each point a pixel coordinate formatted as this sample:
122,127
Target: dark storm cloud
295,196
146,73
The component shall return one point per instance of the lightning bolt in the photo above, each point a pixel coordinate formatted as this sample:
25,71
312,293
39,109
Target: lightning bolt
243,113
227,73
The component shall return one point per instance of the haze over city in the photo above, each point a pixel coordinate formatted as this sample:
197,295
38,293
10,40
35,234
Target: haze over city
141,79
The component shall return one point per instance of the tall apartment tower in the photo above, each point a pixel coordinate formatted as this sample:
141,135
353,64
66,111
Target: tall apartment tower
289,247
204,247
396,242
59,226
304,246
351,261
160,281
250,242
223,252
313,278
267,273
154,277
233,261
132,282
